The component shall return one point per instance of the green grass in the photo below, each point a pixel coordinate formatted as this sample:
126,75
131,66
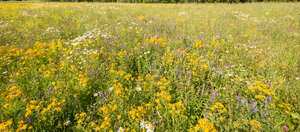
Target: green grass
175,67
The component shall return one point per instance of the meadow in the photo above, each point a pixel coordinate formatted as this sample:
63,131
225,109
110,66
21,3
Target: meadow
149,67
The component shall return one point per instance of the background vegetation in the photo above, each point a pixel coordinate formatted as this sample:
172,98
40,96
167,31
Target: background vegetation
166,1
154,67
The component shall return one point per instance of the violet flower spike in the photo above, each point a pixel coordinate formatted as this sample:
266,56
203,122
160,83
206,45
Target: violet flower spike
253,104
219,72
29,119
270,98
255,110
265,114
244,101
213,94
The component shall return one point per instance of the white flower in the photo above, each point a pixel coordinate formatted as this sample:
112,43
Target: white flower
143,124
149,130
121,129
146,125
67,122
138,88
149,126
111,89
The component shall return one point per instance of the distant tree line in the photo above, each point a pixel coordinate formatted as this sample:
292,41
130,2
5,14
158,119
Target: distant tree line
166,1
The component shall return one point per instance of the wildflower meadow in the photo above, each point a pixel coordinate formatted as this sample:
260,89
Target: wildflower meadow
120,67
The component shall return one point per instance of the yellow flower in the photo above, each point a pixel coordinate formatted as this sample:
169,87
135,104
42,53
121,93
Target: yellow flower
260,97
255,123
5,124
83,114
79,121
97,128
197,44
5,106
221,118
236,124
204,124
92,124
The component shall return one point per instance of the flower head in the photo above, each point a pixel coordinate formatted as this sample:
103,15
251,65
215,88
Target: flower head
285,128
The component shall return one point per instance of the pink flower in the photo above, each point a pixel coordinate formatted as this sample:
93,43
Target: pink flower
285,128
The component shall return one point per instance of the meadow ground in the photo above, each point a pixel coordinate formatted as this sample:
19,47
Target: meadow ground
149,67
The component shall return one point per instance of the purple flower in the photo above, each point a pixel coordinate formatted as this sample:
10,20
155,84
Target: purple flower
22,118
213,94
266,102
244,101
253,104
219,72
29,119
187,73
270,98
255,110
206,107
265,114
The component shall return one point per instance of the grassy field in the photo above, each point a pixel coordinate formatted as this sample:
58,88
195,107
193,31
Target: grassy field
149,67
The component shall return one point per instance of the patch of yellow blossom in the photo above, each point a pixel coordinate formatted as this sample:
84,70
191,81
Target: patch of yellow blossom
198,44
5,125
262,90
177,109
218,107
286,107
157,41
255,125
108,108
203,125
104,125
12,92
137,114
14,6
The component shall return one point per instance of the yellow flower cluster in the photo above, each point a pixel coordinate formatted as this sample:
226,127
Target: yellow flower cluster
218,107
106,109
14,6
137,114
198,44
12,92
104,125
255,125
203,125
80,117
286,107
262,89
157,41
5,125
54,106
31,106
22,126
177,109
